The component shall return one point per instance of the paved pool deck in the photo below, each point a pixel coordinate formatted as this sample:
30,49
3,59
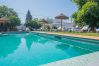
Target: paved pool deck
81,36
91,59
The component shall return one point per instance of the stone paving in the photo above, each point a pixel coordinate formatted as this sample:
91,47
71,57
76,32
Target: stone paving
91,59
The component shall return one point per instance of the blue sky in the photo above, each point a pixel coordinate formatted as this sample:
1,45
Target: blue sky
41,8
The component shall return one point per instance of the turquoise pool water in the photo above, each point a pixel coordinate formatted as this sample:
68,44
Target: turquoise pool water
33,49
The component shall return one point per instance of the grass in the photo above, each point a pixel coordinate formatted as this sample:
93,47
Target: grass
80,33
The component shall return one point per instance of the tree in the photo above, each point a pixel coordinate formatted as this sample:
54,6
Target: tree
93,1
6,12
35,24
88,14
14,21
79,3
11,14
28,19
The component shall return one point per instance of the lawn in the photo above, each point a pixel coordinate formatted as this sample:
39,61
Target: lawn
80,33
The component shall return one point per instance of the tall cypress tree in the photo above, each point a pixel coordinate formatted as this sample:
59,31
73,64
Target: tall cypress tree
28,19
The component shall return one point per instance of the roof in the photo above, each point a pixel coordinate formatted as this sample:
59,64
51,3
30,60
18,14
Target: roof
43,20
4,19
61,16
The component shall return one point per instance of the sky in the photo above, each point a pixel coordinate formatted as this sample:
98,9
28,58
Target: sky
41,8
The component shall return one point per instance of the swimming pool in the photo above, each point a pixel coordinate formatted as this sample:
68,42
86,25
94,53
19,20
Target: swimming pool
33,49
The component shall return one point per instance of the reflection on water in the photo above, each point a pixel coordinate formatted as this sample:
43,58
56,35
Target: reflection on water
29,40
34,39
8,44
62,46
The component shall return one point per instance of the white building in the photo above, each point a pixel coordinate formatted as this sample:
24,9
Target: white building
21,28
65,25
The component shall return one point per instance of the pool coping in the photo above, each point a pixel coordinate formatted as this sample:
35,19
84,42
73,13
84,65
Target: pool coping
91,59
79,36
